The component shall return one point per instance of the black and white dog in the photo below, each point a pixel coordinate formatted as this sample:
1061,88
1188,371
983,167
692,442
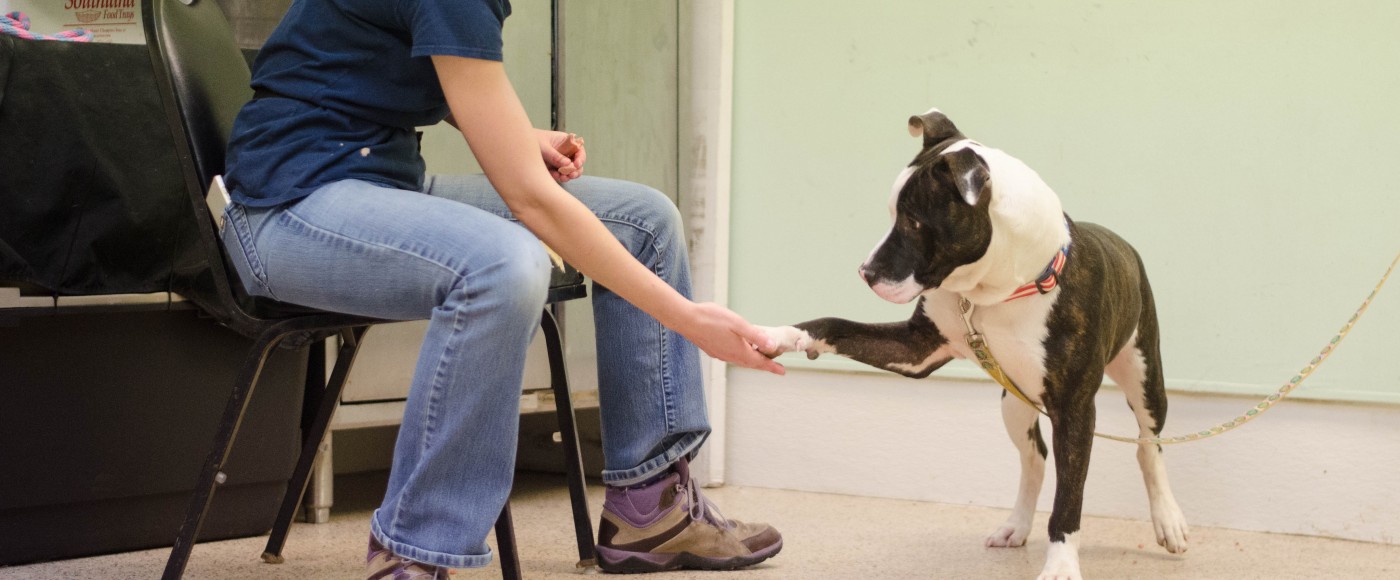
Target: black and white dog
1059,303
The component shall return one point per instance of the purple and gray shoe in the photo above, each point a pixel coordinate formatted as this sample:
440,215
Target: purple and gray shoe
668,524
382,564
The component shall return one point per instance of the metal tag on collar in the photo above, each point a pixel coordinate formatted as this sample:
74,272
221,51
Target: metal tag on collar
975,340
965,306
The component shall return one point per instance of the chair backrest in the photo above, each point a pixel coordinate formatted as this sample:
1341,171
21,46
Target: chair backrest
205,72
203,81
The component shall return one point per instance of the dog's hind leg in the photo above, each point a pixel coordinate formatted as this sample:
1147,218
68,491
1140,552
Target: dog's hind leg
1138,371
1023,425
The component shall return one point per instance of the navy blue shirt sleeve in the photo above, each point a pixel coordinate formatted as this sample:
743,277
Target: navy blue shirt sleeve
469,28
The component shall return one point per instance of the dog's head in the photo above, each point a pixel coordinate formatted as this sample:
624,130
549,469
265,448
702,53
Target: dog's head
940,208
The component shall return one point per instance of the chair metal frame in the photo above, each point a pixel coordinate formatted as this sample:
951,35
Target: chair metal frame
181,61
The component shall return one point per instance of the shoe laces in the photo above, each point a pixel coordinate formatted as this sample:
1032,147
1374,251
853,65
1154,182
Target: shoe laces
406,569
411,570
701,508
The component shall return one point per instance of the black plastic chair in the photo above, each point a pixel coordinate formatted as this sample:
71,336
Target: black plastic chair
203,81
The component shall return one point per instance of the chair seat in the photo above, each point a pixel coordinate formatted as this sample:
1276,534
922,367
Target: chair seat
564,284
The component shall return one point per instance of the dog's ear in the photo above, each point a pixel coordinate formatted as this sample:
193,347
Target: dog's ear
933,126
970,174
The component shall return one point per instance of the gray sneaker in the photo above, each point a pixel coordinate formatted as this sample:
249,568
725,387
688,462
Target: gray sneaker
668,524
382,564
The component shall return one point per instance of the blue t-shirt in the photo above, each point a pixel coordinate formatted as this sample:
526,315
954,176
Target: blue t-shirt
352,79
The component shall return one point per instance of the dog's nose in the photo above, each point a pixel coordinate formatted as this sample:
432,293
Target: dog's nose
865,275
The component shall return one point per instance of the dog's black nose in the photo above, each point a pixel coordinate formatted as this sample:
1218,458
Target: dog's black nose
866,275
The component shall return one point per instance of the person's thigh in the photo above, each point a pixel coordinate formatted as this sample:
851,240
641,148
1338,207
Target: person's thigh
360,248
630,210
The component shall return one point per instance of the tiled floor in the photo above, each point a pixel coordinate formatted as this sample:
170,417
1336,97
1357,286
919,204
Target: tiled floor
826,536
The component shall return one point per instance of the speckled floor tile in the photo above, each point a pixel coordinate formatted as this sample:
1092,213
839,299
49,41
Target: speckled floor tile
825,537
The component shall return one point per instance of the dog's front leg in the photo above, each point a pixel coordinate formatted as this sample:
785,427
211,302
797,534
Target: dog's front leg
912,348
1070,404
1022,424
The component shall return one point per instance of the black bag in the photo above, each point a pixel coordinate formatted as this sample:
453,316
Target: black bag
91,199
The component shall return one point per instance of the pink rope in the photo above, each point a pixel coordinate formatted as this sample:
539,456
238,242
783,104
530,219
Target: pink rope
17,24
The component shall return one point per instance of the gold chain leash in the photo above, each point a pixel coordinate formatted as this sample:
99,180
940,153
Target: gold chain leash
978,344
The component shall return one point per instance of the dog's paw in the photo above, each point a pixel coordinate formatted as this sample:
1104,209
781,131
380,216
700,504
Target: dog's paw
1061,569
1170,526
1009,535
1062,562
789,339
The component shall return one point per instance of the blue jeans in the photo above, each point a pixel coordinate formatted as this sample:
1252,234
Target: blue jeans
456,257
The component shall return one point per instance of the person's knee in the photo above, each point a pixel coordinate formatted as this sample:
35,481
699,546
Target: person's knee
656,214
654,208
525,267
514,278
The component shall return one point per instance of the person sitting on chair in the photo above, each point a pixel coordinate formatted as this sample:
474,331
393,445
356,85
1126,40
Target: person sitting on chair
332,210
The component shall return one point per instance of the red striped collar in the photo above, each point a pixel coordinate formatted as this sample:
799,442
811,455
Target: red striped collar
1048,279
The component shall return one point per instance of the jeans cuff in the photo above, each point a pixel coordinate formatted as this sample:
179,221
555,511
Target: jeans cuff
686,446
427,556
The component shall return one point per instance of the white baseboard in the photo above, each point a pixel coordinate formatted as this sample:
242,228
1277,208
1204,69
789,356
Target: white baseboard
1308,467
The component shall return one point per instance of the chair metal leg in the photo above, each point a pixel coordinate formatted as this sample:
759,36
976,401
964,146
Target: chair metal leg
568,431
213,474
312,436
319,497
320,491
505,545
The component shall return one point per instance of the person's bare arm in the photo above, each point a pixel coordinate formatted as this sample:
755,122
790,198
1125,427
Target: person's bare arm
489,114
563,153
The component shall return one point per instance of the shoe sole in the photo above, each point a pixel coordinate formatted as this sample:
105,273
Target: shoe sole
622,562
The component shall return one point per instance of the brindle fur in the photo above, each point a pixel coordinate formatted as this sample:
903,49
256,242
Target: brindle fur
1104,297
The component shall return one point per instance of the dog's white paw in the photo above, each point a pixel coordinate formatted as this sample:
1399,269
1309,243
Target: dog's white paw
1062,560
1009,535
1064,569
1170,525
789,339
1059,576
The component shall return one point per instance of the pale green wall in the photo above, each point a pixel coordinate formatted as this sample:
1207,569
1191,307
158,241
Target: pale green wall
1250,150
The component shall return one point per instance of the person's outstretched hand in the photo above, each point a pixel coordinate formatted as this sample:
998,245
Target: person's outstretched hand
563,153
726,336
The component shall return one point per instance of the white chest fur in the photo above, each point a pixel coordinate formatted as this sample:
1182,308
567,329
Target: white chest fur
1015,331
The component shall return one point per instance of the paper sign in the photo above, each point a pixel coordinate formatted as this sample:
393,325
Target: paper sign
114,21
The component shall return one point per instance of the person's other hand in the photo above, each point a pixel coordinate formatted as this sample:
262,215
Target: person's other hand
563,154
726,336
